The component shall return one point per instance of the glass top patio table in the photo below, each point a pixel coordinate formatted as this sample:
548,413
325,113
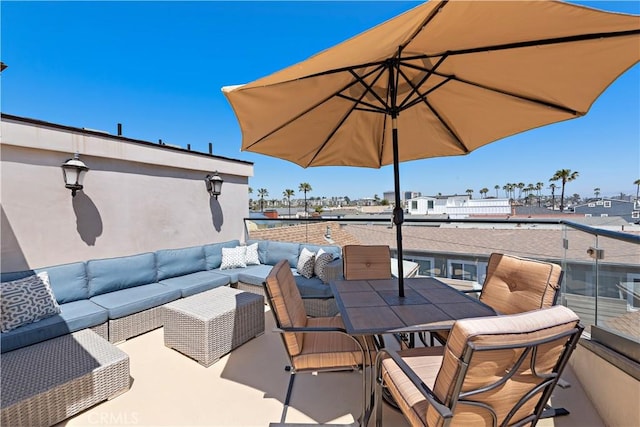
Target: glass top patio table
374,307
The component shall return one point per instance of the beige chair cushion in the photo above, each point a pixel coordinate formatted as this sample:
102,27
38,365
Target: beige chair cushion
425,362
308,350
515,285
486,367
363,262
329,350
287,304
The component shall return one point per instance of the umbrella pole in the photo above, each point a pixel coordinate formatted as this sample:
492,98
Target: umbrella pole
398,212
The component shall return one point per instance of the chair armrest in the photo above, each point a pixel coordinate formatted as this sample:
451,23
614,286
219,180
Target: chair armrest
306,329
424,389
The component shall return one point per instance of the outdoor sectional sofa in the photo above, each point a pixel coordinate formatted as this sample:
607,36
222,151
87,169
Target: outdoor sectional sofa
122,297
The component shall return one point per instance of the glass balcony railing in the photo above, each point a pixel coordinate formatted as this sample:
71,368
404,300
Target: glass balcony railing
601,280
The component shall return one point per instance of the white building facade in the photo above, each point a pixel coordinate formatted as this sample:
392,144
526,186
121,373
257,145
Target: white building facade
457,206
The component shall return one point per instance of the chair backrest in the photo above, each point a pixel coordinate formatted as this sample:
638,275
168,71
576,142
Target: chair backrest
363,262
491,364
286,304
515,285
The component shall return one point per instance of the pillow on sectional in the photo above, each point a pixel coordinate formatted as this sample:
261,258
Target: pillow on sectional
233,257
306,263
26,300
322,259
251,257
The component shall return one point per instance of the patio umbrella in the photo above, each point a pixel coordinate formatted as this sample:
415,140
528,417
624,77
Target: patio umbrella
442,79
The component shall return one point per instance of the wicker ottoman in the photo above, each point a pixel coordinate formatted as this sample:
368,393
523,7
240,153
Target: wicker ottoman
208,325
48,382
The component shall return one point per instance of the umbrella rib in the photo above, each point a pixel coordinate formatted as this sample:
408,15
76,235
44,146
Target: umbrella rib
302,113
353,107
514,95
415,88
541,42
422,97
449,77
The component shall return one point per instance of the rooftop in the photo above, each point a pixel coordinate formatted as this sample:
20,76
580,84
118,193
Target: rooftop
247,388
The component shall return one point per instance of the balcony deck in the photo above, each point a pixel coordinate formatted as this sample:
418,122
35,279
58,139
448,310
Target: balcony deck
247,388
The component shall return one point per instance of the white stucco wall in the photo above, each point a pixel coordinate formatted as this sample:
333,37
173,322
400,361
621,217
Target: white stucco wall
137,197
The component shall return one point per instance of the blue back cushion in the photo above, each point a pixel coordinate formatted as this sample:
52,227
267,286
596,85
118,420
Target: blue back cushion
113,274
68,281
277,251
178,262
213,253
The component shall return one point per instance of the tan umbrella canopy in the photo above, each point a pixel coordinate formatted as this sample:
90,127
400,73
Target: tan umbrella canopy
442,79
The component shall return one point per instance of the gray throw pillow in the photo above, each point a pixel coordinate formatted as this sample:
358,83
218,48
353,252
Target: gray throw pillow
26,300
322,259
306,263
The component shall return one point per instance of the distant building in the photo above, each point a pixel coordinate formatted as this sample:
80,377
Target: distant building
389,196
629,211
457,207
408,195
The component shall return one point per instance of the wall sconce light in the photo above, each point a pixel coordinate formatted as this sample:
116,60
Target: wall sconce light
214,184
73,171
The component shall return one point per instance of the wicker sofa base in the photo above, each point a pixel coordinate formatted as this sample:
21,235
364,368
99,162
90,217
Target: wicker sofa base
102,330
315,307
48,382
135,324
208,325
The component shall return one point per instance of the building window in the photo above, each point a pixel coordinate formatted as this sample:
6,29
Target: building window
427,265
430,204
604,215
467,270
414,205
587,215
592,205
607,203
635,214
631,289
599,203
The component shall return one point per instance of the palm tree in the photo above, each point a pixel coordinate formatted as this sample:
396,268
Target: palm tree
496,187
288,193
530,189
596,191
469,191
262,192
553,196
539,187
564,175
637,184
483,192
305,187
520,186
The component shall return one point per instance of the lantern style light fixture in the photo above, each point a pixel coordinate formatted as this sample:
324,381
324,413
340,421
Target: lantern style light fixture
73,171
214,184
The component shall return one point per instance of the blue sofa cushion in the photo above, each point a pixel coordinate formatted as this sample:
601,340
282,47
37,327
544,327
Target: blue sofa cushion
178,262
68,281
233,273
277,251
255,276
194,283
133,300
313,287
73,316
213,253
114,274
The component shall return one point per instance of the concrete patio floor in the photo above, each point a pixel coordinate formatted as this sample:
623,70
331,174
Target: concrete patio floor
247,388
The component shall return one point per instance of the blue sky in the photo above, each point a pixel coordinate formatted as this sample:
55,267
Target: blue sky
157,68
